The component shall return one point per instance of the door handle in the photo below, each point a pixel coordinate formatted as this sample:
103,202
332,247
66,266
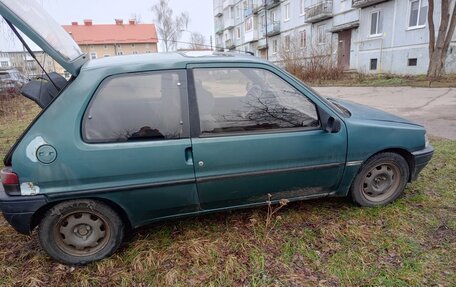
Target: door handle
189,156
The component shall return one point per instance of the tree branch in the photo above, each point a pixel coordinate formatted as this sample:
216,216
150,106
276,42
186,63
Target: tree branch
450,33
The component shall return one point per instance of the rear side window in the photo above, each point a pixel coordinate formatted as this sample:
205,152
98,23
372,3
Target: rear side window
137,107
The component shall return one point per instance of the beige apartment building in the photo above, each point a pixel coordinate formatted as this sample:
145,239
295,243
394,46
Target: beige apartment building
105,40
97,41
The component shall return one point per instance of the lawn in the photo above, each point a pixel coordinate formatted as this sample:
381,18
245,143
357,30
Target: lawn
328,242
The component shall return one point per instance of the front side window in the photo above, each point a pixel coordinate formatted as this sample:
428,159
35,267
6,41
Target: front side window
234,100
376,23
418,13
136,107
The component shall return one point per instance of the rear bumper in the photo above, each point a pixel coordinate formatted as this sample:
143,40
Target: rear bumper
421,159
19,210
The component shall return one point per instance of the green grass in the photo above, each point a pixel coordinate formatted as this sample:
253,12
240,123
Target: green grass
330,242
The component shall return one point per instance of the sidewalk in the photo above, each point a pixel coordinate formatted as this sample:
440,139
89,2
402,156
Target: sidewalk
435,108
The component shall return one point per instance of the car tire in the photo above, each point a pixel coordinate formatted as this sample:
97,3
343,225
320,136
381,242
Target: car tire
380,180
77,232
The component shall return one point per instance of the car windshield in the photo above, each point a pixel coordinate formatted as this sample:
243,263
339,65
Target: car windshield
45,26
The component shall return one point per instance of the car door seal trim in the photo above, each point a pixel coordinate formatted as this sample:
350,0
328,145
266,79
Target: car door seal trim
268,171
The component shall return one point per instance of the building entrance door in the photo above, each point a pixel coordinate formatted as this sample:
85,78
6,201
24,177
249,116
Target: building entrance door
343,60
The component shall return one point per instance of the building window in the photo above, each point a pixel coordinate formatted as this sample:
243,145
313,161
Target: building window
418,13
287,43
132,45
273,16
147,52
302,38
373,64
376,23
286,12
238,11
118,46
321,34
4,64
301,8
249,24
119,53
275,46
106,46
93,55
135,52
412,62
238,32
92,47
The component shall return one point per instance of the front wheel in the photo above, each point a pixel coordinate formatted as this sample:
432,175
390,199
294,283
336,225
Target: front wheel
80,231
381,180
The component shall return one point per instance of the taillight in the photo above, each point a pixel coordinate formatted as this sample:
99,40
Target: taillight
8,176
10,181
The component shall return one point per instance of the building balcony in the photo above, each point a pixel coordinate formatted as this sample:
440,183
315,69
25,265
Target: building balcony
251,36
229,44
365,3
248,12
262,44
229,23
219,28
218,11
227,3
273,29
319,12
272,3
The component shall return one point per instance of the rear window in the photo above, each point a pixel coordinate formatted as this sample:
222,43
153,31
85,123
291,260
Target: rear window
137,107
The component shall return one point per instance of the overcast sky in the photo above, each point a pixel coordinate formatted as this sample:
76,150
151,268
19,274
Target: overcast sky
105,11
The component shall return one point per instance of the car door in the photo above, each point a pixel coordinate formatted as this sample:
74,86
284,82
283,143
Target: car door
255,133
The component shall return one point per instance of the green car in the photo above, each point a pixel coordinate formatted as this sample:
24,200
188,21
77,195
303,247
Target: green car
130,140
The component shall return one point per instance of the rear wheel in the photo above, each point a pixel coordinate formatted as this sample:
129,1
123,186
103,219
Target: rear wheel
80,231
381,180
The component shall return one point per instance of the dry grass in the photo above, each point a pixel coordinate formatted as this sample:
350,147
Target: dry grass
353,79
315,243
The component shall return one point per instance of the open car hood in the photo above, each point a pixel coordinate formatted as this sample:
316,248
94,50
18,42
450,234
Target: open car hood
31,19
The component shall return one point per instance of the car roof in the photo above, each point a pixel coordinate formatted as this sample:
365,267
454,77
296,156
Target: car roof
175,60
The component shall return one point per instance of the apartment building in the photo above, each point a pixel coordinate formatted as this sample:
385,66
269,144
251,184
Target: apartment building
104,40
374,36
24,62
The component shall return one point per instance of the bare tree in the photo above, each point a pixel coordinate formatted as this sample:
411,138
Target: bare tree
169,27
197,41
308,61
438,48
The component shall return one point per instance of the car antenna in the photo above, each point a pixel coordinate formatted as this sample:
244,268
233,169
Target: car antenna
30,51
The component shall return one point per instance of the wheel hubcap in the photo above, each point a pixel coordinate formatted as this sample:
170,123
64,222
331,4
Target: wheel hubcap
82,233
381,182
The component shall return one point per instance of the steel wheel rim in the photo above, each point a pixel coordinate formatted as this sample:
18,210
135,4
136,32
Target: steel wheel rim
82,233
381,182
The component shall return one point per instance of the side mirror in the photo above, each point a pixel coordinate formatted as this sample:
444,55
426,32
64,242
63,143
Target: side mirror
328,122
332,125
